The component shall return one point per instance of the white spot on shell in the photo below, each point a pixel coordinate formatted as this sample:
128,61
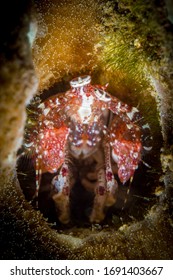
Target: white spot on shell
57,102
129,126
41,106
61,154
97,132
118,105
89,143
79,142
131,114
46,111
135,155
85,108
41,136
102,96
46,122
146,126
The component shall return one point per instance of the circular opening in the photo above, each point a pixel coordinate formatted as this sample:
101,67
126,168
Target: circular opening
133,199
116,50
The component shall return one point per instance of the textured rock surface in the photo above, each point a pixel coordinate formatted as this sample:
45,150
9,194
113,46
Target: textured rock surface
24,233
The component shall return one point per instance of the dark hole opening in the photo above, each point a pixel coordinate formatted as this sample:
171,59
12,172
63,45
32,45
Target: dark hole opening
143,190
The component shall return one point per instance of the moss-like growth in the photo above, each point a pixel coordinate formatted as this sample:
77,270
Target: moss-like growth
65,40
